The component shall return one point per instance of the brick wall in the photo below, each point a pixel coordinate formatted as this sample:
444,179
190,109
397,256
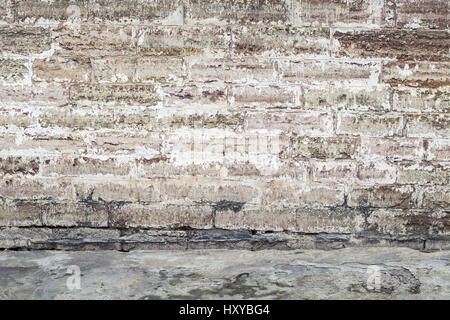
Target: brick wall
303,116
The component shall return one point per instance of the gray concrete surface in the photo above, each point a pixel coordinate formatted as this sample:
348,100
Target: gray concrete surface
350,273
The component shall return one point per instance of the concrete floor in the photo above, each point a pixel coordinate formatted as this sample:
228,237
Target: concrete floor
350,273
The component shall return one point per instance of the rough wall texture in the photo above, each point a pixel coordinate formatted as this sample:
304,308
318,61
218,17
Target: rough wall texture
184,119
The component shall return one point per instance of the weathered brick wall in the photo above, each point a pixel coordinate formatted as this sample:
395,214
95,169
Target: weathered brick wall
327,117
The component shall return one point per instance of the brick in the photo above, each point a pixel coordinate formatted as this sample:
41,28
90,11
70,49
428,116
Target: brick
79,214
19,165
184,41
382,197
237,12
57,69
286,169
93,40
421,100
439,149
231,70
325,148
258,150
267,218
428,126
423,173
393,148
205,121
137,215
294,169
36,189
85,165
436,197
33,95
376,173
389,15
416,74
365,13
197,97
400,222
118,190
334,220
160,167
114,70
193,190
6,140
295,193
19,213
47,13
352,99
421,14
280,41
160,70
24,40
125,143
137,70
370,124
131,117
50,145
258,96
347,171
13,72
311,123
73,117
17,117
116,94
343,170
422,45
167,12
329,71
